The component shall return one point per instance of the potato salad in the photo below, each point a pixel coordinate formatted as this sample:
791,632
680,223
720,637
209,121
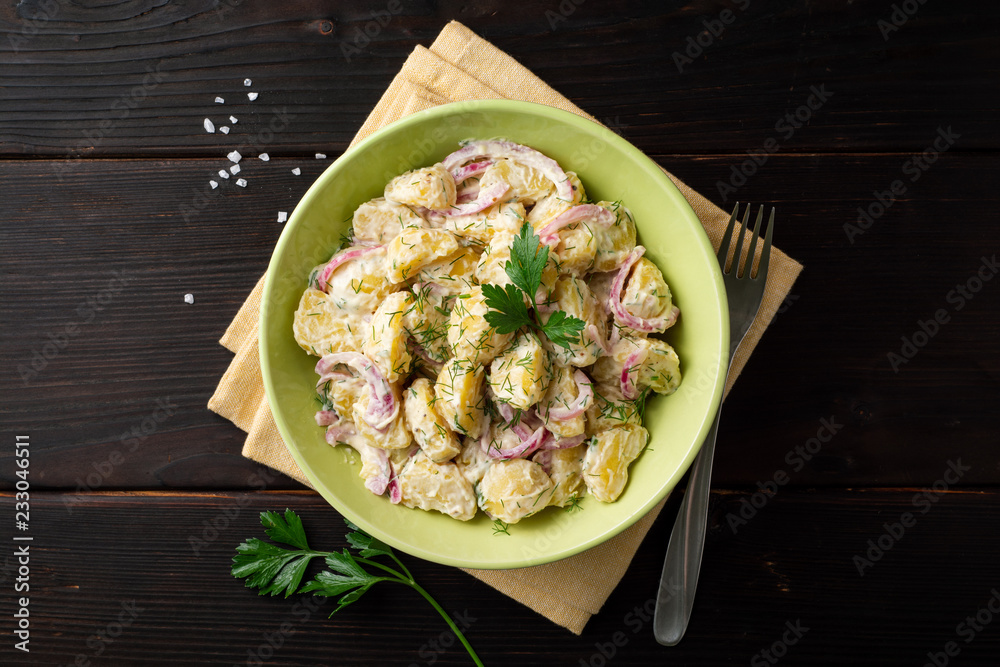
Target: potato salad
485,337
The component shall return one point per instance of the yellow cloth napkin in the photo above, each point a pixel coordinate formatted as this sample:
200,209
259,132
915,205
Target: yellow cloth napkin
461,66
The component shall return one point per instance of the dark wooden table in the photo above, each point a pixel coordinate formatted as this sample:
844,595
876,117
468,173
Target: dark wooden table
882,548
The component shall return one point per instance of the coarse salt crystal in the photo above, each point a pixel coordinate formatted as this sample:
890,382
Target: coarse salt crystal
235,169
247,82
219,100
233,120
297,171
209,126
213,184
264,157
223,173
251,96
189,298
235,156
282,216
320,156
242,183
224,129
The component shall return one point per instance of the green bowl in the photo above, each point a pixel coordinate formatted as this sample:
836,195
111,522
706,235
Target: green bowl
610,169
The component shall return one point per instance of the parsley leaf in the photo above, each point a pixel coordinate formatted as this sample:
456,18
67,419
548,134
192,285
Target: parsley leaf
347,579
563,329
527,261
366,544
273,569
287,531
509,312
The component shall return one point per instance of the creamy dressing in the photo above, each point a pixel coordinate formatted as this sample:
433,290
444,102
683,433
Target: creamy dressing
447,413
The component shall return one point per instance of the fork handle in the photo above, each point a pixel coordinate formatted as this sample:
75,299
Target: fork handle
682,564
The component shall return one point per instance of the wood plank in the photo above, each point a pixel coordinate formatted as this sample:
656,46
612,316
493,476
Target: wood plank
793,562
138,78
824,357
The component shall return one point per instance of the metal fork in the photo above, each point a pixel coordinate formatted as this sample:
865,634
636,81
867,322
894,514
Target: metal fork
675,596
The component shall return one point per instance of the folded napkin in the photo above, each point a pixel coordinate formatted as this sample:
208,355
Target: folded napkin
461,66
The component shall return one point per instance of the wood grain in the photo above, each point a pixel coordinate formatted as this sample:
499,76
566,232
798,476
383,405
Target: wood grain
69,70
825,357
108,220
792,562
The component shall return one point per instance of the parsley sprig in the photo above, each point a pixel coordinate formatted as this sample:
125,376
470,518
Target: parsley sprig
273,569
508,313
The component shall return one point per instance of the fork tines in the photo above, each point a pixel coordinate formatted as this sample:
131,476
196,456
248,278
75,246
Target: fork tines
738,259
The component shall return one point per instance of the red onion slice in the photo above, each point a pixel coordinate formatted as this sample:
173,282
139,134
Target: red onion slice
529,157
595,335
630,373
330,376
487,197
326,418
523,430
615,337
462,174
395,490
466,195
544,308
340,258
549,234
627,319
552,443
584,398
338,432
527,447
506,412
383,406
429,361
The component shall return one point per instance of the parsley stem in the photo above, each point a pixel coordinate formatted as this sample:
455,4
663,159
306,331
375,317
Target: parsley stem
382,567
408,580
454,628
273,569
400,563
